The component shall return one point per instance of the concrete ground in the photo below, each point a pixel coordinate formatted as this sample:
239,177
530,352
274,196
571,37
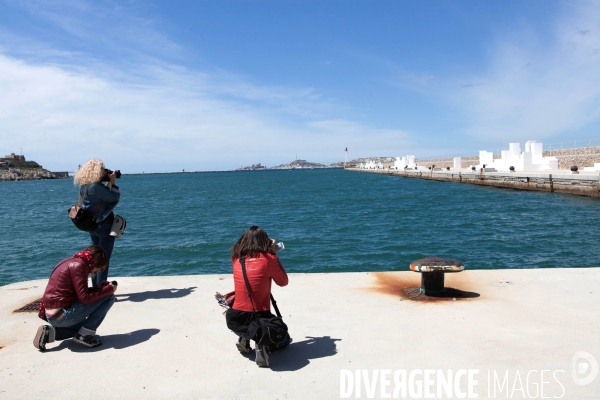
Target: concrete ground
165,337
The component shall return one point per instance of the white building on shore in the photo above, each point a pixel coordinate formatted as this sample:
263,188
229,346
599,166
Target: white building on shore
529,160
405,162
371,164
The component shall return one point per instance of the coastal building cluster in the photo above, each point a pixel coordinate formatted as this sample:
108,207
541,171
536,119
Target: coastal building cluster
253,167
530,160
13,156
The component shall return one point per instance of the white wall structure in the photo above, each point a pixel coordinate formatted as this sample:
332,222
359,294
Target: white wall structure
529,160
400,163
369,164
486,157
457,163
596,167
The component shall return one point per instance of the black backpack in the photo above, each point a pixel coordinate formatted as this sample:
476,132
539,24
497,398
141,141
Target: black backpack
265,331
83,219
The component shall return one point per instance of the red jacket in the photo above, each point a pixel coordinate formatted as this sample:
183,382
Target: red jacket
260,271
69,283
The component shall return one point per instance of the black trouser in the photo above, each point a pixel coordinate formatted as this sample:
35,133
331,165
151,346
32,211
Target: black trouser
238,321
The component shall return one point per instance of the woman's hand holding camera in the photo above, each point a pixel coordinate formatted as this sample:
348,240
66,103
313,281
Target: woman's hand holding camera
113,284
112,177
272,248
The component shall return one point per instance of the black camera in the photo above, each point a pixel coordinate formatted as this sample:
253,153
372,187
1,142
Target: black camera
115,283
107,172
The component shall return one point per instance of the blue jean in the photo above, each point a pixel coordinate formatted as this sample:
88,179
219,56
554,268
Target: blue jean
101,237
89,316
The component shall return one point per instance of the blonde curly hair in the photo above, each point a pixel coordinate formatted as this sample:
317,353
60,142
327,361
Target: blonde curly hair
91,172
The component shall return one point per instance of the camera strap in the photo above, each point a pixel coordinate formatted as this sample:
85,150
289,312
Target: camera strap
80,197
80,200
243,263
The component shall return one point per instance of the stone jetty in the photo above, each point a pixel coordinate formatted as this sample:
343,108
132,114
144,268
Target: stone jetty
555,181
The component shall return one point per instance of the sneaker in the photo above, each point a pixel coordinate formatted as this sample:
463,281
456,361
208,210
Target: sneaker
262,357
88,340
42,337
243,345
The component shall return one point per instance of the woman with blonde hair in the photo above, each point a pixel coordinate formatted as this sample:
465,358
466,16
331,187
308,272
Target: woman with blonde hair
100,200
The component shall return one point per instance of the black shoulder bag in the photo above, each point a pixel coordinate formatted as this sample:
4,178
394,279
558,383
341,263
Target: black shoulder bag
265,331
83,219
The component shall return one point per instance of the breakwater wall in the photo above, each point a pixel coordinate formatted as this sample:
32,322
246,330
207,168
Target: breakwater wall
583,184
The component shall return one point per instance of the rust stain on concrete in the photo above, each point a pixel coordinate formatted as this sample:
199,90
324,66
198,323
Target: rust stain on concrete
394,284
399,284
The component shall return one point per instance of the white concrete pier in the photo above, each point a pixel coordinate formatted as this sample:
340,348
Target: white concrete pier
166,338
584,183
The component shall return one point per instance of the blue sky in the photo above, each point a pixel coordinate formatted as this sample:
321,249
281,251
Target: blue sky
211,85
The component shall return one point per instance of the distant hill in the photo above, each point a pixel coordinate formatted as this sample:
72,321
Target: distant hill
300,164
296,164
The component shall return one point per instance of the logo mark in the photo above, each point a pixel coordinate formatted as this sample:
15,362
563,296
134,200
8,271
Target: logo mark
584,368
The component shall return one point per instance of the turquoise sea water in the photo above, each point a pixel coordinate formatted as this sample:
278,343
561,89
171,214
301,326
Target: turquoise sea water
329,220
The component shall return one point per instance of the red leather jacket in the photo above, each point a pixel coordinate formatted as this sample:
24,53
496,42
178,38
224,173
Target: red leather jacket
260,271
69,283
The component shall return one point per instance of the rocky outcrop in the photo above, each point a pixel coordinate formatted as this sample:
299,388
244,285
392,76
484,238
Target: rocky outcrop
253,167
18,174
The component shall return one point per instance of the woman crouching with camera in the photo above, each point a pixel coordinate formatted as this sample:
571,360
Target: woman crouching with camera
100,200
71,308
257,252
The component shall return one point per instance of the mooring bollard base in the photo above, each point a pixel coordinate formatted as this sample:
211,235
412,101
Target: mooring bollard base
432,282
432,271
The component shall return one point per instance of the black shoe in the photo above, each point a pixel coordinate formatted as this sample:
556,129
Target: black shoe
262,357
88,340
42,337
243,345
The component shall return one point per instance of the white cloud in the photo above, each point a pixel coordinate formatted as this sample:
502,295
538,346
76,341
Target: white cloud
120,26
63,117
532,90
113,87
